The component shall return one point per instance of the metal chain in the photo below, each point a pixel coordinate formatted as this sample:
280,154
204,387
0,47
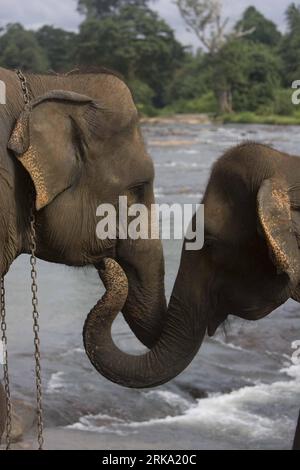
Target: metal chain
24,86
36,329
5,368
8,428
34,288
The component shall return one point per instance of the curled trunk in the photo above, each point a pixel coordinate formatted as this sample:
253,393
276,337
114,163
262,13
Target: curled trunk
180,339
145,309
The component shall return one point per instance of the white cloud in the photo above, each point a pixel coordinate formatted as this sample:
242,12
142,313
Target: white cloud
62,13
34,13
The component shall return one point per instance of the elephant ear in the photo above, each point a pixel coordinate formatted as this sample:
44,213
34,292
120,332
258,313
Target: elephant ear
274,209
44,142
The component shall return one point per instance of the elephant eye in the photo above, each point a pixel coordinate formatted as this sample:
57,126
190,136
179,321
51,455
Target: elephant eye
209,241
138,191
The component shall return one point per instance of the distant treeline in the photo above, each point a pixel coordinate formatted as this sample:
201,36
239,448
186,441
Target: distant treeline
255,72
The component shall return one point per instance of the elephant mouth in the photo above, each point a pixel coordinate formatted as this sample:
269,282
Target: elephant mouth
110,252
214,323
256,313
252,313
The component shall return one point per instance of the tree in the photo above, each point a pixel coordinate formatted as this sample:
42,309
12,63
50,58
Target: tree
251,71
20,49
293,17
290,47
58,45
191,80
264,30
103,8
136,43
204,18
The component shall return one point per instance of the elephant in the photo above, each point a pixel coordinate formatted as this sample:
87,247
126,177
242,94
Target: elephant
76,145
249,265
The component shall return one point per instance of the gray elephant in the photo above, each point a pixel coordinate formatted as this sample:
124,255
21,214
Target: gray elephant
249,266
75,146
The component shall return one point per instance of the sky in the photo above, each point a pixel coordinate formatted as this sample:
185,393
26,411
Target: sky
62,13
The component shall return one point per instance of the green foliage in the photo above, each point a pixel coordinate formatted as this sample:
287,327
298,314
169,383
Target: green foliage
143,96
253,118
293,17
204,104
103,8
251,72
189,81
265,32
250,75
135,42
20,49
58,45
283,103
290,47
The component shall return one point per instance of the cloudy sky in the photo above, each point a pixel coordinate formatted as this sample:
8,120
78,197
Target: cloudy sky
62,13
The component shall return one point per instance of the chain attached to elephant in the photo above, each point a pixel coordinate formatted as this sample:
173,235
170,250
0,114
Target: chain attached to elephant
35,315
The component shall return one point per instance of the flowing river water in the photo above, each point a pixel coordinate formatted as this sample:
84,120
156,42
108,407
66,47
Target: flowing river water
242,391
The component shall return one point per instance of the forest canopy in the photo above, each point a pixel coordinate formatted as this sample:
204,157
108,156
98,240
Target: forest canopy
245,68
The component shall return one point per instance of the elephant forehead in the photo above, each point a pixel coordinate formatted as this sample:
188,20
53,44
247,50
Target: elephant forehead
225,222
114,95
218,219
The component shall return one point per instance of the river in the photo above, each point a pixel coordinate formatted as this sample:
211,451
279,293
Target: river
242,391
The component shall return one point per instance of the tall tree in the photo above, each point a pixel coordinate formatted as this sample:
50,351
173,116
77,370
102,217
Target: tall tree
103,8
290,47
293,17
19,48
264,30
251,71
59,46
204,18
135,42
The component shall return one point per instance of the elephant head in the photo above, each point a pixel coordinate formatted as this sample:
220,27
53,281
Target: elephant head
82,150
248,266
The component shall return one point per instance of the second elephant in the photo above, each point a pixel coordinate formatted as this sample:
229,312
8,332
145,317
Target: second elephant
249,265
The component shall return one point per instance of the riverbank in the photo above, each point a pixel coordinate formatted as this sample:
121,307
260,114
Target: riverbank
234,118
252,118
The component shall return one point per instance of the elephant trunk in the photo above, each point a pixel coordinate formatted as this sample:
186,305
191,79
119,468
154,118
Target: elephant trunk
181,337
145,308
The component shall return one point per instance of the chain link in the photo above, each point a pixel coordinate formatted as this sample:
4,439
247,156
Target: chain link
5,367
34,288
24,86
36,329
